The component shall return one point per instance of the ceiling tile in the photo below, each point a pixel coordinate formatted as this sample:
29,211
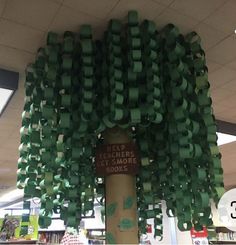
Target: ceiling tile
221,76
10,123
10,144
8,126
228,149
147,9
229,180
227,165
232,64
224,17
165,2
14,59
5,132
11,114
95,8
57,1
34,13
184,23
209,35
231,85
19,36
2,6
200,9
226,115
73,20
220,94
9,154
224,52
212,66
218,108
230,103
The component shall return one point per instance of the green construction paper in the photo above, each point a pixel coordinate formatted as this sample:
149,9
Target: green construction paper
111,209
128,202
110,239
126,224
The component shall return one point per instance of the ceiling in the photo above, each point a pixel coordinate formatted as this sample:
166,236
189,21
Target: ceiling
24,25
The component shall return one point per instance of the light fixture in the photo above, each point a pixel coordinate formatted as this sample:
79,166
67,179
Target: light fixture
5,95
225,138
12,195
8,85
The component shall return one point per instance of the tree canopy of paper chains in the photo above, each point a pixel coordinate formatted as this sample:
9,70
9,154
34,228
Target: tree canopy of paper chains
153,82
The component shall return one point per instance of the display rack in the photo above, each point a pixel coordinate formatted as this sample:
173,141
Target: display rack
20,242
222,242
224,236
96,236
50,236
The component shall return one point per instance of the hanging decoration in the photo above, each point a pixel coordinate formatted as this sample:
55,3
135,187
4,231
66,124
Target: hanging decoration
153,82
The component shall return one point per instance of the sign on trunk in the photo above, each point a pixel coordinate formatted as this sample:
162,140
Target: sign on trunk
116,159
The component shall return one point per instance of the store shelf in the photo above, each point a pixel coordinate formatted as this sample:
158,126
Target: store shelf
50,236
20,242
45,230
222,242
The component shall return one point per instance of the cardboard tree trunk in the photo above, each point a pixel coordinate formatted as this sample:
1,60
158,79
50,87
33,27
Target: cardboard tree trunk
121,201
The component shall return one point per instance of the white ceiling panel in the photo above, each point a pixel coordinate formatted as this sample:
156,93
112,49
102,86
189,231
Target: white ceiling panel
232,64
95,8
184,23
212,66
165,2
221,94
221,76
147,9
2,6
209,35
224,52
200,9
224,17
14,59
34,13
20,36
74,20
231,85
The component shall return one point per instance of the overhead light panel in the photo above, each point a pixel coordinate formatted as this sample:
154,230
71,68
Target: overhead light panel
12,195
5,96
225,138
8,85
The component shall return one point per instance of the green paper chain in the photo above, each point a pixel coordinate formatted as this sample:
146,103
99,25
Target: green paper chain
154,83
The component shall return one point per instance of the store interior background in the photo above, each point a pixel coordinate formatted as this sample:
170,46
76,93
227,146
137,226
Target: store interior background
23,28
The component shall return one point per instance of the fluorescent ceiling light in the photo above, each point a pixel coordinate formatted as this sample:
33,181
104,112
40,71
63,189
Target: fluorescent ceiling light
12,195
5,95
225,138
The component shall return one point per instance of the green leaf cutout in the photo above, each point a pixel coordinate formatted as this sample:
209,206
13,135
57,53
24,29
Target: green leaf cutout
111,208
128,202
110,238
126,224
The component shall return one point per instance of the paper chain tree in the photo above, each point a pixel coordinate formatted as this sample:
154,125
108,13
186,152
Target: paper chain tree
153,82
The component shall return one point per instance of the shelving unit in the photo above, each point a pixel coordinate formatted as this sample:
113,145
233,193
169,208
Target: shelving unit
50,237
223,242
20,242
96,236
224,236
